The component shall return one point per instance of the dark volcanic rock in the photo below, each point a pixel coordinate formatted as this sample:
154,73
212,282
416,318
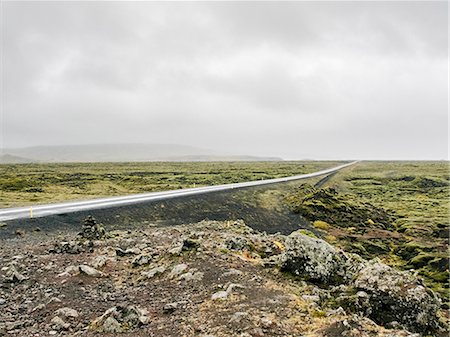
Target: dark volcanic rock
92,230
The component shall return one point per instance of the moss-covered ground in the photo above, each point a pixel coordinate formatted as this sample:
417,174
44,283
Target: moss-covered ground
397,211
24,184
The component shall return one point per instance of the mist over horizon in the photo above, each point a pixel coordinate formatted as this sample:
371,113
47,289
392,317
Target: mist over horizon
126,152
296,80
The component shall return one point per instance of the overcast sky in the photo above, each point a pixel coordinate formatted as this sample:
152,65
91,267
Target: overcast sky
364,80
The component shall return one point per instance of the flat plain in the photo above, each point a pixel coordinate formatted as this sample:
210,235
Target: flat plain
25,184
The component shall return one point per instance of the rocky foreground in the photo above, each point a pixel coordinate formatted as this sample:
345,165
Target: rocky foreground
205,279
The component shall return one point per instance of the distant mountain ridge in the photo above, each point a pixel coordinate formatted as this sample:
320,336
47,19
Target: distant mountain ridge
119,153
11,159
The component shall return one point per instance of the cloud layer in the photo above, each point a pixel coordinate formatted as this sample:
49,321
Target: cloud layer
291,79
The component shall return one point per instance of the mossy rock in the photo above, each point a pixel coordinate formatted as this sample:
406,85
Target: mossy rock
426,183
440,263
437,276
367,249
412,249
421,259
327,205
376,247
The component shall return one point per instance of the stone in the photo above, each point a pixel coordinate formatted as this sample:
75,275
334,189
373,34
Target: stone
220,295
178,270
129,251
92,230
111,325
100,261
197,276
59,324
170,307
141,260
89,271
120,319
67,312
236,243
223,294
153,272
13,276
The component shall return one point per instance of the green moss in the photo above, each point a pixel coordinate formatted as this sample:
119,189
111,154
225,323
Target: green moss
321,225
421,259
327,205
307,233
23,184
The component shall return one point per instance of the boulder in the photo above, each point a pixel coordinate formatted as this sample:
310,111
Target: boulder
317,261
398,296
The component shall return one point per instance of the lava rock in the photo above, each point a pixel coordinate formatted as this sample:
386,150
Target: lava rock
318,261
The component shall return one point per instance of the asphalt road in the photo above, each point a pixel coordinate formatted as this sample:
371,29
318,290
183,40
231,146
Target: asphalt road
69,207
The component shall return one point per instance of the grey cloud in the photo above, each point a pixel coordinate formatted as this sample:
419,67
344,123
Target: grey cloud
292,79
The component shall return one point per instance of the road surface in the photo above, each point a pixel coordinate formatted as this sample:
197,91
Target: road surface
75,206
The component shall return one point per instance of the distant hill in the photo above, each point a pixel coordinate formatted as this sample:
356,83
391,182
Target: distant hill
223,158
123,153
11,159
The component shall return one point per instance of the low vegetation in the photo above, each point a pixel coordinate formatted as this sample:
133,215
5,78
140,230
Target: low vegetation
24,184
